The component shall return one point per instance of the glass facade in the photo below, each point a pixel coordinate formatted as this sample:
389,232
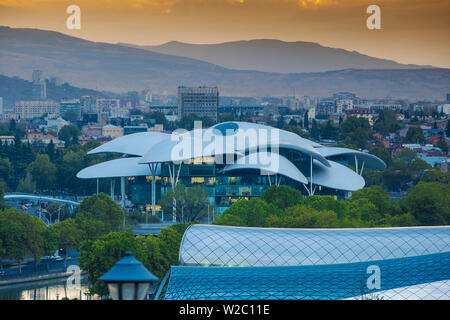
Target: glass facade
208,245
234,263
419,277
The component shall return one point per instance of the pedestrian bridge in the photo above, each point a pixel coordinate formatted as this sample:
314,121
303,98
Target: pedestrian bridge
37,197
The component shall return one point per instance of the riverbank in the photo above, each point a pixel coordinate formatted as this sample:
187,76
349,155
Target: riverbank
34,278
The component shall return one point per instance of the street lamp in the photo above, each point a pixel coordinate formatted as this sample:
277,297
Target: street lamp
128,279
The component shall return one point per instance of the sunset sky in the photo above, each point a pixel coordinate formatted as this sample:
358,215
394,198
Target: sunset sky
413,31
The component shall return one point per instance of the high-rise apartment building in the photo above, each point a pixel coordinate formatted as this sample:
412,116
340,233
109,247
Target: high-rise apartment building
38,86
35,109
88,104
107,107
70,105
202,101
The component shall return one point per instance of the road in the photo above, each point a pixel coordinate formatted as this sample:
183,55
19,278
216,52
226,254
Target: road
56,265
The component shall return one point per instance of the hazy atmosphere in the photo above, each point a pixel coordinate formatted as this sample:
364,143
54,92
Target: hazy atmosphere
413,31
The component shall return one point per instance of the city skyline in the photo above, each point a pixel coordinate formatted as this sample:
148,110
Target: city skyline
411,31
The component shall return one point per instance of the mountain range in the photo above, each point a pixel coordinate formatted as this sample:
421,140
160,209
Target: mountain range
276,56
121,68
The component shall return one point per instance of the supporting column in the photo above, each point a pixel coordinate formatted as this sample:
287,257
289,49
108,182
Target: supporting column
97,185
122,191
356,164
112,188
153,171
174,182
311,177
362,168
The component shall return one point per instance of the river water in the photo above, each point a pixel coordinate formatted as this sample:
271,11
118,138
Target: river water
54,289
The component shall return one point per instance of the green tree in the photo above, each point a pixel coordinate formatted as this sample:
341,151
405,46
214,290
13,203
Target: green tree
70,236
414,135
43,172
330,131
3,204
442,144
35,230
375,195
13,237
99,256
429,203
407,155
102,208
396,176
282,196
173,200
50,239
6,171
27,184
196,204
380,151
301,216
250,213
69,134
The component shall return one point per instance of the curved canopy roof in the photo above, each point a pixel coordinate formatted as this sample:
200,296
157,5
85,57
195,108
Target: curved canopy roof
237,246
124,167
251,136
370,161
415,278
134,144
187,147
268,163
336,177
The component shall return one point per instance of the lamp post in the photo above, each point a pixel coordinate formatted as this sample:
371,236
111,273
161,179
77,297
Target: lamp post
128,279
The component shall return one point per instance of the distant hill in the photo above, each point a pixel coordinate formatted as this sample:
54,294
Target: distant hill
16,89
277,56
110,67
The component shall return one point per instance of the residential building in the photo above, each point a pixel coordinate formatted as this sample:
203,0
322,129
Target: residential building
38,86
70,105
201,101
106,107
112,131
35,109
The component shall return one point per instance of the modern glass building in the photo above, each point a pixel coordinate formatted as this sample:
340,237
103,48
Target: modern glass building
232,160
219,262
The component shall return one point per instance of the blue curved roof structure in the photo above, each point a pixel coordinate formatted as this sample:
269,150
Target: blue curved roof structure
235,263
212,245
418,277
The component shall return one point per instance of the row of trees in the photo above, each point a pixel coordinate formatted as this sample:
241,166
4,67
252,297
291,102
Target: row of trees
96,229
285,207
357,132
156,253
23,235
403,171
50,170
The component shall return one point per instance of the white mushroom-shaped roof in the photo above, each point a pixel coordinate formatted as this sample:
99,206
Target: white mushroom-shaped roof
186,146
336,177
267,163
124,167
253,136
370,161
136,144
